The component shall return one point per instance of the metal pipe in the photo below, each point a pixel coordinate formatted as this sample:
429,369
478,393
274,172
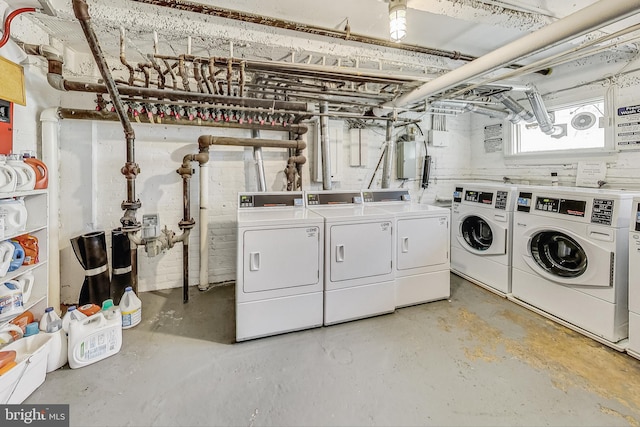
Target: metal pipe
257,156
388,156
184,5
325,148
71,113
131,169
590,18
249,142
123,57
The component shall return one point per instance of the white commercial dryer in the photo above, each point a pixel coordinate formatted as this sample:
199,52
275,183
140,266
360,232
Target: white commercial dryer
481,234
279,286
633,347
422,267
358,255
570,258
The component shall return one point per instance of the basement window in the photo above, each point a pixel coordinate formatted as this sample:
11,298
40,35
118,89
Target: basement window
581,132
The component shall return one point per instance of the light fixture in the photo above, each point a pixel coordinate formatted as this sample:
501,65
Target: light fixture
397,19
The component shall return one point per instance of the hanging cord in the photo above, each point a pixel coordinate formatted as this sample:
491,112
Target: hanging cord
7,23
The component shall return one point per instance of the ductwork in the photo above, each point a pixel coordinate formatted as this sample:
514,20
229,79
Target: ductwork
515,107
590,18
478,109
542,115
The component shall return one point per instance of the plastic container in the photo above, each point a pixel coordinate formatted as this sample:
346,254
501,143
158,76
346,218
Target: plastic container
14,213
30,370
89,309
131,308
6,255
42,174
71,315
7,357
31,250
32,329
18,256
12,297
9,333
8,176
26,175
93,339
50,321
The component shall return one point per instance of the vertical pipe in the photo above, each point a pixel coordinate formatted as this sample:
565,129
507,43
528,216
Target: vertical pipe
50,155
257,156
186,215
388,156
324,146
204,227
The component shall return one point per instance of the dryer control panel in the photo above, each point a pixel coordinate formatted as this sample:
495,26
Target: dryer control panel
602,212
334,198
267,200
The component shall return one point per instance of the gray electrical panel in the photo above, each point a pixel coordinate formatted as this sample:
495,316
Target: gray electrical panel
406,159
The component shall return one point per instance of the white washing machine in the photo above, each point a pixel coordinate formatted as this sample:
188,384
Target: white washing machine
279,278
633,347
358,254
422,268
481,234
570,258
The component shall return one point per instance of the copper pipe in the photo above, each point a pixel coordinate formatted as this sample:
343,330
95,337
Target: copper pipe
229,76
174,80
182,69
123,57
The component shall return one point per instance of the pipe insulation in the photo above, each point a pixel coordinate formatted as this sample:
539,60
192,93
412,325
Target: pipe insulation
324,146
590,18
257,157
388,156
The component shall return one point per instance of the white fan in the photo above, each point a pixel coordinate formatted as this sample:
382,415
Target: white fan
583,121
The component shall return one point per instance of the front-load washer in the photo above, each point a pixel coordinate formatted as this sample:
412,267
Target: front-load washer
633,347
279,278
358,256
570,258
422,268
481,234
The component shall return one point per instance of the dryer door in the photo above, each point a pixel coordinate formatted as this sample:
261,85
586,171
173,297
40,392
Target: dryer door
422,242
563,257
481,236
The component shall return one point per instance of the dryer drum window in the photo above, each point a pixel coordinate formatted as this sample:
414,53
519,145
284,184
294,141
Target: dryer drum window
558,254
477,233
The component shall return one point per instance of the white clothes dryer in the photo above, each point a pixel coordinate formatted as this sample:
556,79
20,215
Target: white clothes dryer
279,277
422,268
570,258
633,347
358,255
481,234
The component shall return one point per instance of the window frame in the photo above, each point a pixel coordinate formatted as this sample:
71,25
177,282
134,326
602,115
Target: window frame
607,153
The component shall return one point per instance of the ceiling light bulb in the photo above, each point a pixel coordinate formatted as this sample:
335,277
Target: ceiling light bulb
397,19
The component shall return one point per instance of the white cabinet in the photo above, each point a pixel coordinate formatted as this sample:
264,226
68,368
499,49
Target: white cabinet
37,204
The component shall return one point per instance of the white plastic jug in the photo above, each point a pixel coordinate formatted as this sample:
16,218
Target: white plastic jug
72,315
6,255
12,299
8,176
14,213
26,176
51,324
131,308
26,283
93,339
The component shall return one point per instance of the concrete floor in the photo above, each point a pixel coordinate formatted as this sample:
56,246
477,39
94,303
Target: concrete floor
476,360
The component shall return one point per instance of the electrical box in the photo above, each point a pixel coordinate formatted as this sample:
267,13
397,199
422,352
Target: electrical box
150,226
439,138
6,127
406,159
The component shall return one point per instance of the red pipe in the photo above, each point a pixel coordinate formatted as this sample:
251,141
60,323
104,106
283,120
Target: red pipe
7,23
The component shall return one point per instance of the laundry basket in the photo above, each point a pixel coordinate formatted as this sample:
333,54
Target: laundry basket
23,379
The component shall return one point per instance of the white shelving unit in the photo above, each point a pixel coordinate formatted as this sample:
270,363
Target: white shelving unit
37,204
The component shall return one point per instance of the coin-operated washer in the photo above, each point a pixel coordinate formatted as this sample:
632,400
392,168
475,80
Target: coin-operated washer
422,266
359,252
279,279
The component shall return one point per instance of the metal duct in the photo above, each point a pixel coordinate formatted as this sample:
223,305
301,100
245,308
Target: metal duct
590,18
478,109
515,106
540,111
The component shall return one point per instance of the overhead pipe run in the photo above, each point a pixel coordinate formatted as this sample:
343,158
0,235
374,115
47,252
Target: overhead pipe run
463,106
590,18
515,107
